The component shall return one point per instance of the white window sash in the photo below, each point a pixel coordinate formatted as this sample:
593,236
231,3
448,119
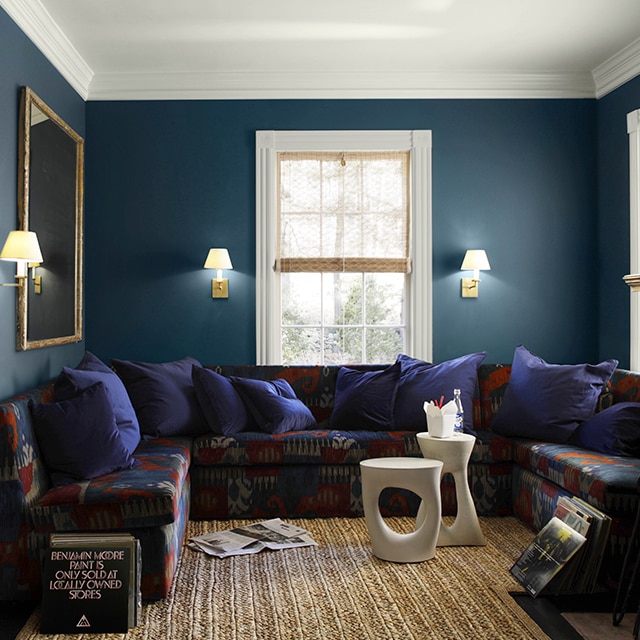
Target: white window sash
268,143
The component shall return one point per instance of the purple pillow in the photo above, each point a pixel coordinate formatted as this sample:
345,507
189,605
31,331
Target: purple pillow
274,405
79,438
163,396
613,431
548,401
365,399
220,402
71,382
422,381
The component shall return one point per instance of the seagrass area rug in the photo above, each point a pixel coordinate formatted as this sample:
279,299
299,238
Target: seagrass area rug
339,591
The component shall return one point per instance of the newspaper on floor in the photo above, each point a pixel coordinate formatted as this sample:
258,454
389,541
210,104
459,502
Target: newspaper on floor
252,538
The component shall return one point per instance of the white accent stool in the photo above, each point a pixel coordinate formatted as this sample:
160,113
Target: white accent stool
415,474
455,452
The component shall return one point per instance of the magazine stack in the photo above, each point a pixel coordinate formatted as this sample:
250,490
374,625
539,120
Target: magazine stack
91,584
566,554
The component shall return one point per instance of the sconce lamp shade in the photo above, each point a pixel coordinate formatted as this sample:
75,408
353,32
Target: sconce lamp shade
475,259
21,246
218,259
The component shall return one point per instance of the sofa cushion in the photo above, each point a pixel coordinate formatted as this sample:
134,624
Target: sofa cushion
315,446
163,396
221,404
422,381
607,482
146,496
614,431
90,370
273,405
548,401
79,438
365,399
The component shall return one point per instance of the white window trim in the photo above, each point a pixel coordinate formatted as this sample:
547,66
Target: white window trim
633,129
268,144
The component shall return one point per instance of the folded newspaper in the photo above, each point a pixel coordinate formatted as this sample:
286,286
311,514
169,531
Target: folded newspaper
252,538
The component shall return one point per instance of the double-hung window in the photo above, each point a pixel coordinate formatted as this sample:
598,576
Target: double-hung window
343,246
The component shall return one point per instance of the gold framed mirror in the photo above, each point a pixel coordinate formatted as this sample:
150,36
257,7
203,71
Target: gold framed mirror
50,202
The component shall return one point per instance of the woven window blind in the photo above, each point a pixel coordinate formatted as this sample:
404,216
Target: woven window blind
343,212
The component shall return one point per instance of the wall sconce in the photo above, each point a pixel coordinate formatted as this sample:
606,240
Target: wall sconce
22,247
474,260
219,259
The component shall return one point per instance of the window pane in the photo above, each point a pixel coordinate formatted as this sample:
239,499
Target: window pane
342,298
384,344
343,345
301,346
384,300
301,298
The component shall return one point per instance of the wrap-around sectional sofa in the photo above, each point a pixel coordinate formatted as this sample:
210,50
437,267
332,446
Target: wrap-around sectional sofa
313,472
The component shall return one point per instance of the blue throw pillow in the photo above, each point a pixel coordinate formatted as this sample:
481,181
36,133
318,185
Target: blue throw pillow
274,405
71,382
163,396
79,438
548,401
220,402
613,431
365,399
422,381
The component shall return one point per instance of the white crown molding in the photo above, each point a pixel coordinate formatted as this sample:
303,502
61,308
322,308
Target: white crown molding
36,22
38,25
618,69
336,85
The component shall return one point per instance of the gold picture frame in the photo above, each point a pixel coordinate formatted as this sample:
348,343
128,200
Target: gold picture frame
51,203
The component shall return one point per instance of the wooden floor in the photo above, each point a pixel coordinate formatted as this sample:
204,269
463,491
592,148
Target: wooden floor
597,626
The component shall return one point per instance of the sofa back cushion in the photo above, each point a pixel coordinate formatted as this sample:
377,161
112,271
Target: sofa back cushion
548,401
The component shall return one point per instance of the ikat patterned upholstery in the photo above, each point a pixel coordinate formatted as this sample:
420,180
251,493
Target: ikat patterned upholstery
316,473
542,472
301,473
151,501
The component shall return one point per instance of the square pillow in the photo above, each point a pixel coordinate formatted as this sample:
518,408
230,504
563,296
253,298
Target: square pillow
274,405
365,399
613,431
221,404
421,381
548,401
79,438
163,396
90,370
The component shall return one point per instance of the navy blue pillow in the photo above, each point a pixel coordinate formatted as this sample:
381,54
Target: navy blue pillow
548,401
220,402
79,438
71,382
274,405
613,431
422,381
163,396
365,399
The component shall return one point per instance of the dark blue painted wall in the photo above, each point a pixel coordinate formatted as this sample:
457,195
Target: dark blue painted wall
613,226
21,64
167,180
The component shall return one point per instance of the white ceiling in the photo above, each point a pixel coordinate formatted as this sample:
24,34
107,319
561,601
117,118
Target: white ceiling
138,49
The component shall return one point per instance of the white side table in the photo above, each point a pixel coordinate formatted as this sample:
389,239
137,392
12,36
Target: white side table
415,474
455,452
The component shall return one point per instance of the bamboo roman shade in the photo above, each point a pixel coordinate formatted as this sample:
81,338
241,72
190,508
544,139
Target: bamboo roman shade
342,212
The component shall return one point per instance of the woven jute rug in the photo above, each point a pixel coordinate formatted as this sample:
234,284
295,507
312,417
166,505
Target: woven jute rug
339,591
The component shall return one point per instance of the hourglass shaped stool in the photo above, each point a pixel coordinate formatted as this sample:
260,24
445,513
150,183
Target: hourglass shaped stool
419,475
455,452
